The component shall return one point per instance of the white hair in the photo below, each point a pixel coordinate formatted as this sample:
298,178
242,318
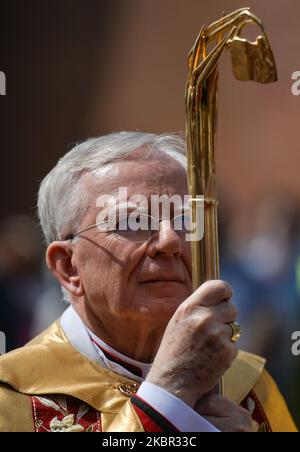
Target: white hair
62,201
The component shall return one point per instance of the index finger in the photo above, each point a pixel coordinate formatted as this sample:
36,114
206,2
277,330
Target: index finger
211,293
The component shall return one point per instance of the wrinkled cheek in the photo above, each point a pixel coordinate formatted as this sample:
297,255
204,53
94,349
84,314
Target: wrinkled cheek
107,274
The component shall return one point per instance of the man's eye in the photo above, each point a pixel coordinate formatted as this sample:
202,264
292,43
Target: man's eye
122,224
182,222
134,223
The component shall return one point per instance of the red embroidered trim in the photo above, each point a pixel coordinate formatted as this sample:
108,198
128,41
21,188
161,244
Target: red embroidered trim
61,413
257,413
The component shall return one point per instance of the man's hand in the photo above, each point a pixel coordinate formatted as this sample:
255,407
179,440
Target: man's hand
196,350
225,415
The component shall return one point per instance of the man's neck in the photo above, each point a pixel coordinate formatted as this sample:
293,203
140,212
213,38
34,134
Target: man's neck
134,340
106,352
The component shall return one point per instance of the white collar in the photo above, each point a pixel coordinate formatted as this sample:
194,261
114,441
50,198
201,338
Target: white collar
85,342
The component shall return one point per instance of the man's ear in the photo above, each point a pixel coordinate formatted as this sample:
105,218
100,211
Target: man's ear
59,258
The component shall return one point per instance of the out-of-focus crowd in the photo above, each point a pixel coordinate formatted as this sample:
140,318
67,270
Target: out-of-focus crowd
30,299
260,259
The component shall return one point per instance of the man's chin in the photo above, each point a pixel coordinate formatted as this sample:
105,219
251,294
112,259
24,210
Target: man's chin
164,289
159,301
159,307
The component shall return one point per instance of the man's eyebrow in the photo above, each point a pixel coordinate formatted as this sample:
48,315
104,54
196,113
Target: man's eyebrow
129,206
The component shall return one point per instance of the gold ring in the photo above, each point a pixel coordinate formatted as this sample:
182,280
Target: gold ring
236,331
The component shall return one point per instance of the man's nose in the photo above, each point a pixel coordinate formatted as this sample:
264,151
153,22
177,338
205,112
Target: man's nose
165,241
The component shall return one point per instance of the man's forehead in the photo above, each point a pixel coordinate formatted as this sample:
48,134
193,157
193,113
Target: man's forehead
139,177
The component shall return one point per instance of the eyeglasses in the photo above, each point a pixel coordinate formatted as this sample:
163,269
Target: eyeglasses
139,228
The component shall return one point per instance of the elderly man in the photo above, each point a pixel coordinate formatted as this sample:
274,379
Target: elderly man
136,350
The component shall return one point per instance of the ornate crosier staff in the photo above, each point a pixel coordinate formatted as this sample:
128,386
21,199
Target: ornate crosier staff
250,61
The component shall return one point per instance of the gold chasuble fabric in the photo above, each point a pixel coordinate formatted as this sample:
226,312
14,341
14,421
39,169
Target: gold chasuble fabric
48,386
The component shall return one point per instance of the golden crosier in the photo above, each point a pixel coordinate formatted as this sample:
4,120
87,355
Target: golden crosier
250,61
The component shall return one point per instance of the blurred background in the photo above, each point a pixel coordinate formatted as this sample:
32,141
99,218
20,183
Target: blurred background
77,69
